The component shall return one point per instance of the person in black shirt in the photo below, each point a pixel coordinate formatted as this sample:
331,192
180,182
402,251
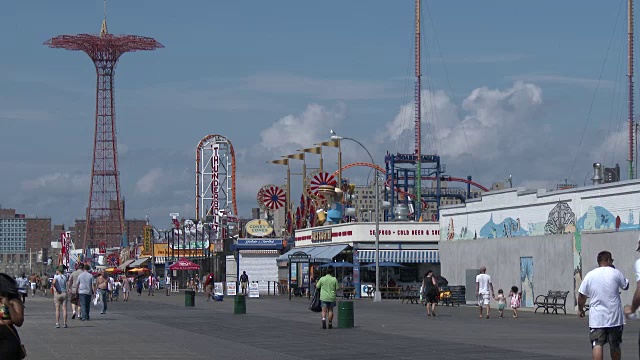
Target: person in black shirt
244,282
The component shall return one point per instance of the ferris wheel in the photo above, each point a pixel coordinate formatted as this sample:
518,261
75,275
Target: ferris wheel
271,197
315,180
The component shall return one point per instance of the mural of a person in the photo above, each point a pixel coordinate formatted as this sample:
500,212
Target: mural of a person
451,233
526,279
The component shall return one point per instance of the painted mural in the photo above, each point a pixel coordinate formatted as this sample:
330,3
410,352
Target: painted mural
526,280
577,266
560,219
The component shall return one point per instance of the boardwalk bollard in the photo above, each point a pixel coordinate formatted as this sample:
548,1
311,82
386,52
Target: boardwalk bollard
345,314
239,304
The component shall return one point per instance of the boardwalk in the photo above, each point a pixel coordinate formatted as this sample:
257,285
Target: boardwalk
160,327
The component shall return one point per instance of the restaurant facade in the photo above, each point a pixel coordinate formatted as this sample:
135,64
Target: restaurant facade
411,245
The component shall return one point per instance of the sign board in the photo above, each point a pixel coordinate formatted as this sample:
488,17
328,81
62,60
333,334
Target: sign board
254,290
257,244
320,236
218,288
299,257
146,240
258,228
231,288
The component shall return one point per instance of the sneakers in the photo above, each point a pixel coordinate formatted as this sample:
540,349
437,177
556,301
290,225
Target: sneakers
324,324
57,326
65,326
330,326
73,316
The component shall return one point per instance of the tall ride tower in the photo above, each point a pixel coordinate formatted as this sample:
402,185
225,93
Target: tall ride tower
105,215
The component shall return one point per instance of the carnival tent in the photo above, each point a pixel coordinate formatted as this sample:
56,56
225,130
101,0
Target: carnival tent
184,264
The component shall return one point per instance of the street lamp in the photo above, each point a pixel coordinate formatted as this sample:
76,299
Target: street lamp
376,295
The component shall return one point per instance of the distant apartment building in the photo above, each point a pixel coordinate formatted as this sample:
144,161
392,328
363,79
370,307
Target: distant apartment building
365,202
133,228
39,234
13,232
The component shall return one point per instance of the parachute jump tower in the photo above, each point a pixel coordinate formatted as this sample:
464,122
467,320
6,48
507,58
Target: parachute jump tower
105,215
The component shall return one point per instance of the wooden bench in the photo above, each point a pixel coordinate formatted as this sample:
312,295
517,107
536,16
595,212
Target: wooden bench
552,302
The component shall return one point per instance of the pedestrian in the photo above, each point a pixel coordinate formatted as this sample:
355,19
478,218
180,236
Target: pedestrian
430,291
635,303
59,286
85,290
208,286
73,280
328,286
151,283
139,285
126,288
32,283
23,284
484,290
602,285
11,315
516,300
502,302
244,282
102,283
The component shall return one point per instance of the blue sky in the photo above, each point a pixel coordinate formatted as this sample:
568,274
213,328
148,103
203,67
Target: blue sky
518,77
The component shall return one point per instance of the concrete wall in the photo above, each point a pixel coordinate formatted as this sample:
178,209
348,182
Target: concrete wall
622,246
552,262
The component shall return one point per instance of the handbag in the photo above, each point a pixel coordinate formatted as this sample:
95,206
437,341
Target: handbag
315,302
23,350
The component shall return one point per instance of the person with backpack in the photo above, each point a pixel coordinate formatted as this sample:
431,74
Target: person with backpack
328,286
59,289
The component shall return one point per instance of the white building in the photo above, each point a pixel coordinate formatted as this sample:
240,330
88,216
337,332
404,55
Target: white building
540,240
414,245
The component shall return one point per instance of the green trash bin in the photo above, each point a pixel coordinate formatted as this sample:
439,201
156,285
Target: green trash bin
345,314
189,298
239,304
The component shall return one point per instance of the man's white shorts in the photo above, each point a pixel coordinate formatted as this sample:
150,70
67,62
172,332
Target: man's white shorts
484,299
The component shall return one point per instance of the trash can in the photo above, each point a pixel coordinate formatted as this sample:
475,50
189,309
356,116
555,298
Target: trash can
345,314
189,298
239,304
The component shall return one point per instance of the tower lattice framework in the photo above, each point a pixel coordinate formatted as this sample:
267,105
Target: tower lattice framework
105,213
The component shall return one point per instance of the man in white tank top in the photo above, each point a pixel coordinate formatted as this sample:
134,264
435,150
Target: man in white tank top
484,290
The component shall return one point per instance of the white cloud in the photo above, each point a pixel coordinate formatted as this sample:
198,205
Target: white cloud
491,117
149,182
564,80
303,130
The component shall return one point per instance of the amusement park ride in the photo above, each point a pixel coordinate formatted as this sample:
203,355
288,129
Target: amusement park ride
403,177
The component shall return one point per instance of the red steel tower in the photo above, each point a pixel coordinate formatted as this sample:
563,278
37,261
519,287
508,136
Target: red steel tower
105,213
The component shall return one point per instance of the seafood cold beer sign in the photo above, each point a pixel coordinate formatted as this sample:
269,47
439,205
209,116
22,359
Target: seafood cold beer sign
258,228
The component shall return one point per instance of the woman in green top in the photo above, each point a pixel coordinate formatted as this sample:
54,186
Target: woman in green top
328,285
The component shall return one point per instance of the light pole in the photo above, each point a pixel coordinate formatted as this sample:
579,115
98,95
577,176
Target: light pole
376,295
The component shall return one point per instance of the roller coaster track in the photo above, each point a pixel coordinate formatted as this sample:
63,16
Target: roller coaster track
388,181
233,172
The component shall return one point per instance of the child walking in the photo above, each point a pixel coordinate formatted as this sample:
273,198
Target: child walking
502,302
516,300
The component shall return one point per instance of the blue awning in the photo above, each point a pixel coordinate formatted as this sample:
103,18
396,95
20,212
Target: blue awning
400,256
320,254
